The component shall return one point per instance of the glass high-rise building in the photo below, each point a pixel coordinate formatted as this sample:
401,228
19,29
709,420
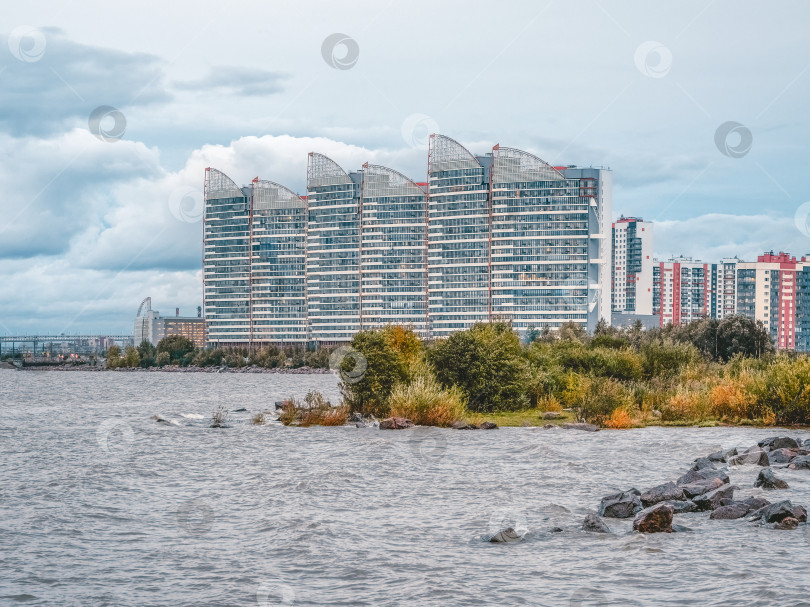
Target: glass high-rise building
500,236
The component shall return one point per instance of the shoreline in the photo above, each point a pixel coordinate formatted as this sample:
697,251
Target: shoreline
176,369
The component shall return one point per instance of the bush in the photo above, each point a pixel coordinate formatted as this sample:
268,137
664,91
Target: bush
619,420
163,359
666,358
426,403
786,392
177,347
219,417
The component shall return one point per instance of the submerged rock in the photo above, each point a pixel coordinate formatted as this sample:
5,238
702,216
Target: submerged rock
698,476
662,493
395,423
753,456
787,523
701,463
692,490
778,442
800,463
506,536
768,480
722,455
714,499
595,524
731,511
489,426
774,513
581,426
621,505
460,425
656,519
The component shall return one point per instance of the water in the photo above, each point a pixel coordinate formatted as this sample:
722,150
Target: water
100,505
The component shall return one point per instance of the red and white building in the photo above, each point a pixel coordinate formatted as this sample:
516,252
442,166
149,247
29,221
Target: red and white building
681,288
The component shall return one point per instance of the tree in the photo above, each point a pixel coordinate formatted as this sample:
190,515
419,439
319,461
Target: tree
113,359
131,357
177,347
739,334
486,363
147,352
572,331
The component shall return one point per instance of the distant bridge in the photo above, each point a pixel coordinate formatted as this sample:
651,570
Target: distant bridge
75,343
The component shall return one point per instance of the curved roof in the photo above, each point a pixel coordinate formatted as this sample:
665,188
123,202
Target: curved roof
382,181
219,185
272,195
511,165
447,154
322,170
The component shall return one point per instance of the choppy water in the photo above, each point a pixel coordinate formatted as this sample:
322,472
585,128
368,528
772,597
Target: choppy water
100,505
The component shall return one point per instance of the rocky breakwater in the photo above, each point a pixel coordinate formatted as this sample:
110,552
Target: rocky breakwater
706,487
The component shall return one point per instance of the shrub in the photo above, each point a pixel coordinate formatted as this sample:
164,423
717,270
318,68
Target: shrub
600,398
259,419
686,406
177,346
163,359
219,417
619,420
426,403
663,358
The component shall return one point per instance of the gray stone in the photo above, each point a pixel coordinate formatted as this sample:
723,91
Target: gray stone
779,442
595,524
581,426
662,493
712,500
489,426
768,480
799,513
800,463
754,456
552,415
774,513
506,536
655,519
692,490
782,456
697,476
730,512
701,463
621,505
682,506
722,455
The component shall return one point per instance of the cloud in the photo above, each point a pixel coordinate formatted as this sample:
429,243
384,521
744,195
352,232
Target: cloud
68,80
237,81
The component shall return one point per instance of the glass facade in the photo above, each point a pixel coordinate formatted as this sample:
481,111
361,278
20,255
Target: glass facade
393,250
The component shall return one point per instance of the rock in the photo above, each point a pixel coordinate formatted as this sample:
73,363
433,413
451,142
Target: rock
506,536
722,455
550,427
787,524
489,426
682,506
556,530
395,423
782,456
656,519
620,505
754,456
595,524
778,442
692,490
799,513
767,480
463,426
712,500
581,426
701,463
730,512
773,513
800,463
240,410
360,425
357,417
755,503
552,415
661,493
697,476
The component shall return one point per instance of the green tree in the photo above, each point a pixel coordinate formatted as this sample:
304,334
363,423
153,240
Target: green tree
163,359
113,358
177,347
131,357
740,335
148,353
486,363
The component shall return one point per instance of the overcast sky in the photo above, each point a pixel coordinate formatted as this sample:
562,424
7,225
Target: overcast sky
699,108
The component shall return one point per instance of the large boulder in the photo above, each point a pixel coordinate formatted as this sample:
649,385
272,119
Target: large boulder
701,463
462,425
489,426
395,423
799,513
697,476
752,456
731,511
778,442
621,505
722,456
782,456
682,506
800,463
714,499
655,519
755,503
662,493
506,536
581,426
692,490
767,480
774,513
594,524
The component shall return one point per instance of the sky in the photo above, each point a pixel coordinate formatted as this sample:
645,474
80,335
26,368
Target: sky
109,114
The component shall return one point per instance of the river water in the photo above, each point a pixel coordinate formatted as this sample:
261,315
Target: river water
101,505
